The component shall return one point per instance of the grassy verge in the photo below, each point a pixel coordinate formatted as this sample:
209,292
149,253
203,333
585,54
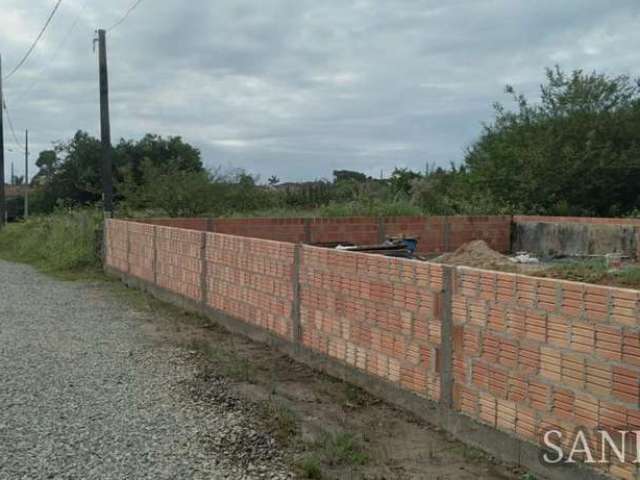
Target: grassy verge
594,271
64,243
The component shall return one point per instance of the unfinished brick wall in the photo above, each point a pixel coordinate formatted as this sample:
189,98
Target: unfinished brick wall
379,315
201,224
116,244
445,234
495,230
281,229
251,279
435,234
141,245
358,230
178,263
527,353
532,354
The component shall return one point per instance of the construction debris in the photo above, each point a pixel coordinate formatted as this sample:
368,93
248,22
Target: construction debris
524,257
392,247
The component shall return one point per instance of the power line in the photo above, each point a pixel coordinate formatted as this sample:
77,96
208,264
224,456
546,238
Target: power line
35,43
54,57
13,131
124,17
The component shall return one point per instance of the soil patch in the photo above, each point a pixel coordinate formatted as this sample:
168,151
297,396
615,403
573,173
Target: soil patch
329,429
479,255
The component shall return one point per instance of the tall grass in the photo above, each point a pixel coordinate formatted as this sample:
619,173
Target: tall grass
374,208
63,242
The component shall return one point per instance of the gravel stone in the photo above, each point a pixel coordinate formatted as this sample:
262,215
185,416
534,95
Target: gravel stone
86,394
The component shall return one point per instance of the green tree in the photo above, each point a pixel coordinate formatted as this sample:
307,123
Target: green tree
349,175
576,151
273,180
71,173
165,153
47,162
401,180
176,192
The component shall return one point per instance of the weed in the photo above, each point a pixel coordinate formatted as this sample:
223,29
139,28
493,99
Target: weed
354,396
310,467
628,276
594,271
238,368
281,421
591,271
468,452
472,453
528,476
343,449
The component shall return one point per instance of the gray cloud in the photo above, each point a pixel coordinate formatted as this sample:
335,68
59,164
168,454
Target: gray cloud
299,88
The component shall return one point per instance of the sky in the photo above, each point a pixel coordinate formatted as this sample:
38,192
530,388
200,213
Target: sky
299,88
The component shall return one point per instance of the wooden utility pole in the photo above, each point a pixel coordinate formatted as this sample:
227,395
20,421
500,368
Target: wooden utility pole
3,204
105,127
26,174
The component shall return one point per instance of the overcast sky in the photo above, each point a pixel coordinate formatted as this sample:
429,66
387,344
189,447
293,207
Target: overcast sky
298,88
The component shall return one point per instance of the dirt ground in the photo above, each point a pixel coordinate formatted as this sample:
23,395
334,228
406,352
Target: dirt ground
480,255
589,269
330,429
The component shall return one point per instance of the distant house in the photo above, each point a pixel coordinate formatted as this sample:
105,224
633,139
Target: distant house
13,191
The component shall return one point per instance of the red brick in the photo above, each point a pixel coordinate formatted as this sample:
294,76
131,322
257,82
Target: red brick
550,366
572,302
529,358
539,395
547,293
558,333
626,384
487,409
506,416
596,302
526,423
609,342
599,378
624,307
480,375
563,403
631,348
586,411
582,337
573,370
517,388
536,326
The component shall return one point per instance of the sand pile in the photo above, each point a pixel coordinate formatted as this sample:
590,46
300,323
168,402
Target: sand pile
478,254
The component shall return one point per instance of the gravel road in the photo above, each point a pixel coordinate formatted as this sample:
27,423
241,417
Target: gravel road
86,394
